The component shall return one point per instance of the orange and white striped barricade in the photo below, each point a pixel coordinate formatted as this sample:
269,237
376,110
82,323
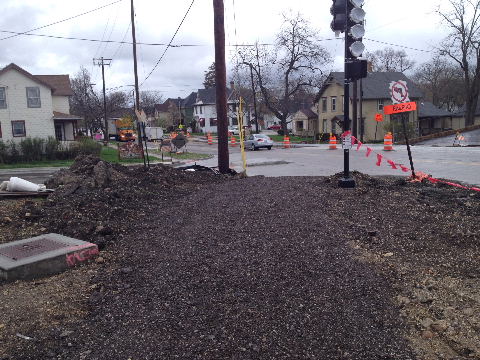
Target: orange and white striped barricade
233,141
286,142
388,142
333,142
210,139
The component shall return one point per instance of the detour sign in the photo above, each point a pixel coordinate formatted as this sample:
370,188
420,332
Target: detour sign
399,108
378,117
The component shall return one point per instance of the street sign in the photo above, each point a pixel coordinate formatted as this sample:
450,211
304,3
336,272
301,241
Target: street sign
399,108
347,142
399,92
378,117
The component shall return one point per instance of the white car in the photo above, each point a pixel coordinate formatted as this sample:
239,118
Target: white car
258,141
234,130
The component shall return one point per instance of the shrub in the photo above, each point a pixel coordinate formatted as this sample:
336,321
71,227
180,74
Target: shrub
3,152
52,147
85,146
32,149
13,152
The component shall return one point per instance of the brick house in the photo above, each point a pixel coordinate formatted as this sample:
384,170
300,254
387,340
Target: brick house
35,105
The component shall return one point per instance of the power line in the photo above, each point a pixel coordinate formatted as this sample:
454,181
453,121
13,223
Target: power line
103,41
122,42
60,21
397,45
171,40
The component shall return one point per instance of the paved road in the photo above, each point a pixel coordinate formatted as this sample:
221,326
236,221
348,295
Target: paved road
472,138
456,163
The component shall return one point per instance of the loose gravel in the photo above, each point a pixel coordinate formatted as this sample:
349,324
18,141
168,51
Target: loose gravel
209,267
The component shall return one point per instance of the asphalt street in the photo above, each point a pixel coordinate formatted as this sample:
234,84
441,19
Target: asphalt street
472,138
447,162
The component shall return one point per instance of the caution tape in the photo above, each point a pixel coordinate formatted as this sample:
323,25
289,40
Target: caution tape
419,176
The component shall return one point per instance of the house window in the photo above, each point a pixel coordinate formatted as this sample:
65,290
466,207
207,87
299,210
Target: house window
201,109
18,128
213,122
3,99
334,126
299,125
380,104
334,103
324,104
33,97
196,110
202,122
325,126
234,121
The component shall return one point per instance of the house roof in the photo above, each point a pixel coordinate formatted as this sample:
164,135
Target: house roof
165,106
62,116
59,83
13,66
427,109
375,85
309,113
208,96
189,100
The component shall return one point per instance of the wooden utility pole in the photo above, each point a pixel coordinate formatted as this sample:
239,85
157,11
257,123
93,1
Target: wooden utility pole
254,100
135,74
221,86
102,62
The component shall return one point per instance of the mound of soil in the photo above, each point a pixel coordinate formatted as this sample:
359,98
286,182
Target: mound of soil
98,201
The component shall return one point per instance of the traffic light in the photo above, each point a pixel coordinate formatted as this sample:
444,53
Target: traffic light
338,10
355,28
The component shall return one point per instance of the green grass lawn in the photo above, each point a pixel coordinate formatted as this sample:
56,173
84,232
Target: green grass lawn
182,156
279,138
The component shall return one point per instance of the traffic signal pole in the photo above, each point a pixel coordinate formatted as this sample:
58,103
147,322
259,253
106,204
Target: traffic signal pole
346,181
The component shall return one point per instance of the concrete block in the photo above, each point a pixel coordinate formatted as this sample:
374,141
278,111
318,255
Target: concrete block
43,255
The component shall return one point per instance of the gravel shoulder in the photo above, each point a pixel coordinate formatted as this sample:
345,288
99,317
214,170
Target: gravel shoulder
256,268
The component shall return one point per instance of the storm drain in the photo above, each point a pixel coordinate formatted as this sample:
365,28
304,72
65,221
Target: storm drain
32,248
43,255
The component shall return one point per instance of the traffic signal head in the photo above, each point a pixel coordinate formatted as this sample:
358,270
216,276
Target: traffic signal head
339,11
355,29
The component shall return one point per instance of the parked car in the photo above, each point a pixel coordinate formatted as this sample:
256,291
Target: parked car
275,127
234,130
258,141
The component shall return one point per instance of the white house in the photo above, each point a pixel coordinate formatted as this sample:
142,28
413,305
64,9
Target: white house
205,110
35,105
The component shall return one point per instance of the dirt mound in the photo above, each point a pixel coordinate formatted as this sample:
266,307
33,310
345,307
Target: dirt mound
98,201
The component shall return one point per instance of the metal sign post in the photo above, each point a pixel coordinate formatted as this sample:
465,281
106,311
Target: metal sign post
401,105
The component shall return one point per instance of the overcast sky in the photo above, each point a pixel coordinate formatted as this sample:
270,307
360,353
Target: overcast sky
411,23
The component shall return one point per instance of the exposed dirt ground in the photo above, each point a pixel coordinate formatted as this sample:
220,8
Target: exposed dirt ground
202,266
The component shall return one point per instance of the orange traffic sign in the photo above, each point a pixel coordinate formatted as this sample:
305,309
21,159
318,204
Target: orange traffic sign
378,117
399,108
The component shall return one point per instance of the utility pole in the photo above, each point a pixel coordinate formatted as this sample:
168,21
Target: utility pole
135,74
221,86
102,62
254,100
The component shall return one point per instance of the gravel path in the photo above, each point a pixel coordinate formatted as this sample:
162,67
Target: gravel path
237,271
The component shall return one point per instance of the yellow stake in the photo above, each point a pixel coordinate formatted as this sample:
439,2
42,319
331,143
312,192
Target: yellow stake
242,134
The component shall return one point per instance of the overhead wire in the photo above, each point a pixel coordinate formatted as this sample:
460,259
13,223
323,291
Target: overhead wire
122,42
168,46
60,21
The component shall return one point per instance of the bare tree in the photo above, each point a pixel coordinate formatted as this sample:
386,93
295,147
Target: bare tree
390,59
294,65
89,103
148,99
442,83
463,47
